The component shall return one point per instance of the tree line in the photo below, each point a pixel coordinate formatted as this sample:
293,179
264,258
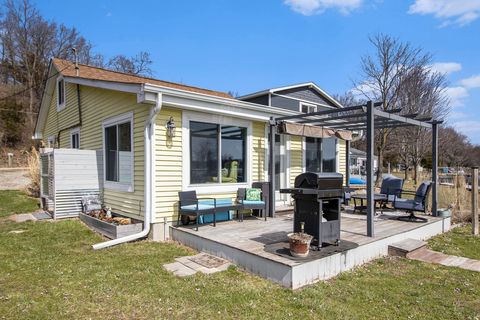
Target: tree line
395,73
400,76
28,41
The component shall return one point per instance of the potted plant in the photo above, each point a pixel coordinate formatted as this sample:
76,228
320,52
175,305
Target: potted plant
299,243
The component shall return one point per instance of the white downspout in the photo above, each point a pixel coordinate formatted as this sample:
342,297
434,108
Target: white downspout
149,133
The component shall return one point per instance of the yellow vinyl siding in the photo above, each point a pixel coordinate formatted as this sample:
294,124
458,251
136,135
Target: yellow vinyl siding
168,164
296,158
342,158
258,152
66,118
98,105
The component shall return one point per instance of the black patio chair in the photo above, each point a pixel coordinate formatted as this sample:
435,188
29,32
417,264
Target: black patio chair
417,204
243,204
189,205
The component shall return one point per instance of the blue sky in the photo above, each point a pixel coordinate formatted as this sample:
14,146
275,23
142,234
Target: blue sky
246,46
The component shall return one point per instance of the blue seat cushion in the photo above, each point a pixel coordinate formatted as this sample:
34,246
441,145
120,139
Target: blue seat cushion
220,215
193,207
408,204
257,202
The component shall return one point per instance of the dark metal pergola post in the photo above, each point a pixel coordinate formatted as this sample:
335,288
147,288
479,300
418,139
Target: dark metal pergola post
370,178
434,168
347,163
271,165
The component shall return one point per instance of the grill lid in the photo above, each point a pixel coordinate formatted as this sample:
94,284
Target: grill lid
319,180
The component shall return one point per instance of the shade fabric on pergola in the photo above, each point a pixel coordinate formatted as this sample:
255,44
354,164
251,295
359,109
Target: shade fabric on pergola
340,123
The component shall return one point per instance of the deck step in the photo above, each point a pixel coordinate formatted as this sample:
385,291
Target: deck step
405,247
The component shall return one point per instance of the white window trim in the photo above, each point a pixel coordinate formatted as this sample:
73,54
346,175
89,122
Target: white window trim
75,131
302,104
113,185
61,106
213,188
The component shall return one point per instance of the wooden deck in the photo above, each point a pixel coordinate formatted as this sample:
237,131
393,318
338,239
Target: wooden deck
245,244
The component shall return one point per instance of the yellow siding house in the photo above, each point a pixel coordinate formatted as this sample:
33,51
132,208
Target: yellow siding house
125,117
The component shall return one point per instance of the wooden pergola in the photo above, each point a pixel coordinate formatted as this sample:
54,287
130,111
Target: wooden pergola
364,117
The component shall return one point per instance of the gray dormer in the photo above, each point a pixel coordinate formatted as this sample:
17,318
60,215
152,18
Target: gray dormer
304,97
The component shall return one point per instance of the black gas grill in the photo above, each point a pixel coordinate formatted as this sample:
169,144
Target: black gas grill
317,205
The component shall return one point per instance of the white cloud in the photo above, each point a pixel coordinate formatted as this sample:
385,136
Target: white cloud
460,12
472,82
311,7
456,95
446,67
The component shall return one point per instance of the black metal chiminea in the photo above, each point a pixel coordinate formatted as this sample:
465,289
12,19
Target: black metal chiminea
317,204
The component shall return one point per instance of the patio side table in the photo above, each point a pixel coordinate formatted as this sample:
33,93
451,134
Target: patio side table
377,198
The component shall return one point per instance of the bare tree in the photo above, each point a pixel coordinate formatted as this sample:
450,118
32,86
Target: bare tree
454,148
28,42
421,93
139,64
381,74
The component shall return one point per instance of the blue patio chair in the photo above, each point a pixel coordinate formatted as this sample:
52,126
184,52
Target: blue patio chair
189,205
391,188
243,204
417,204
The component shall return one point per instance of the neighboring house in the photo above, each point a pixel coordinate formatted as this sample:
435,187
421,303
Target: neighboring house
215,144
298,154
358,162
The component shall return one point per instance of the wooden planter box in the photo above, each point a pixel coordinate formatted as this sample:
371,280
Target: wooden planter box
111,230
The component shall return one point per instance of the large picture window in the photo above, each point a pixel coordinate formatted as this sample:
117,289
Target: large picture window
217,153
118,152
320,154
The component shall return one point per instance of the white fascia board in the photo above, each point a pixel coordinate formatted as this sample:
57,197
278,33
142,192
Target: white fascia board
110,85
207,103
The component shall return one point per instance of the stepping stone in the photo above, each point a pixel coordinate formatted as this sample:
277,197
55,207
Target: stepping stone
405,247
430,256
23,217
202,262
179,269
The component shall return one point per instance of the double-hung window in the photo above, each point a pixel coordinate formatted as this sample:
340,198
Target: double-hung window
217,153
320,154
60,94
307,108
118,153
75,139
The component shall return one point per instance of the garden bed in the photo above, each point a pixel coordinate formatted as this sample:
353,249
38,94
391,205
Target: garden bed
118,226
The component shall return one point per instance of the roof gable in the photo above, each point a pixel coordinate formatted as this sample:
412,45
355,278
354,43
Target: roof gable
299,91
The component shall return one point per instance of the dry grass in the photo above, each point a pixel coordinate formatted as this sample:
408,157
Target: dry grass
456,197
33,172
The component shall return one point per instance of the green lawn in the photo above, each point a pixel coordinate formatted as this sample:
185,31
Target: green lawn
14,201
458,242
49,271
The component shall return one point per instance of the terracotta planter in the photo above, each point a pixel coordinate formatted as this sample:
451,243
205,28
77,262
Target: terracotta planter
299,244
